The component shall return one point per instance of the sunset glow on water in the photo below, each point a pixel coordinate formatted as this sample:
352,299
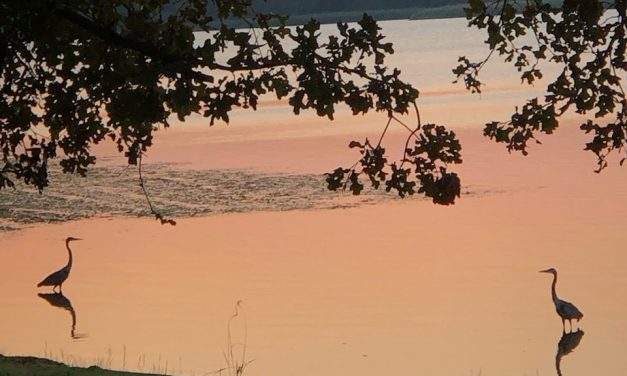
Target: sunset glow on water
329,284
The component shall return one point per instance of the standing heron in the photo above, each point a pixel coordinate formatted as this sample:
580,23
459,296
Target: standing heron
566,310
57,278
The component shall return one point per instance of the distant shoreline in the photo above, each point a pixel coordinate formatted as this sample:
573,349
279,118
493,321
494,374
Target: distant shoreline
449,11
415,13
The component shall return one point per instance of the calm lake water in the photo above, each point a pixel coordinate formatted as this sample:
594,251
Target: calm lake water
325,284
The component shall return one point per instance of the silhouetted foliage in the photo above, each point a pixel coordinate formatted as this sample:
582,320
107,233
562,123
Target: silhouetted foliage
587,39
434,148
74,73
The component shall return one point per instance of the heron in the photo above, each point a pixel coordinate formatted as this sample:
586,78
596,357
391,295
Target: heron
57,278
566,310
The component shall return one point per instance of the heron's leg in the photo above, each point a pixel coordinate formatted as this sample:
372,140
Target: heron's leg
564,324
570,321
61,288
54,288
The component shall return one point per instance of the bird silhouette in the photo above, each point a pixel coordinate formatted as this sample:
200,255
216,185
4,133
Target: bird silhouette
565,346
57,278
566,310
59,300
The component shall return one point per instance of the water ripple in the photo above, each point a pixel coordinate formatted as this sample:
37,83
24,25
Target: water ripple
175,191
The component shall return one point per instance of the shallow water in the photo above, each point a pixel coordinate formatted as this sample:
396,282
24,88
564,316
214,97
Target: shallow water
399,286
363,286
371,290
174,191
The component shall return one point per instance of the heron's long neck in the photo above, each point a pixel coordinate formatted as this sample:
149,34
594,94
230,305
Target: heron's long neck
69,252
553,293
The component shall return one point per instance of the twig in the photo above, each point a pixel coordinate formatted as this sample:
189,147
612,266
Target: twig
413,133
142,184
384,131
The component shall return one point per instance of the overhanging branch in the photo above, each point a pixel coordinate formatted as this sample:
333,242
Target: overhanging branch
179,63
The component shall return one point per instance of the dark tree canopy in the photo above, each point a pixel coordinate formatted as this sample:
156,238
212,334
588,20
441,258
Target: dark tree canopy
587,39
76,72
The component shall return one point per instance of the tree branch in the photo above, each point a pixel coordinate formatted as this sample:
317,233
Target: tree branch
142,184
180,63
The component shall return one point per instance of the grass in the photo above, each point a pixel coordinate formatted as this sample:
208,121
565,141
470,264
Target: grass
234,356
31,366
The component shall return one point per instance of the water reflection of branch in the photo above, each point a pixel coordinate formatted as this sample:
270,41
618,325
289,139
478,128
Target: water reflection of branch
59,300
565,346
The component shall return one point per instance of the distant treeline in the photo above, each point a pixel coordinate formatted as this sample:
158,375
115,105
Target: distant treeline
296,7
332,11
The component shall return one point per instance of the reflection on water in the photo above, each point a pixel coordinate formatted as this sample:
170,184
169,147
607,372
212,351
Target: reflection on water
177,192
57,299
325,287
565,346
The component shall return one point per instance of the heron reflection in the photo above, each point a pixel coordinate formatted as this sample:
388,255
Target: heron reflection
59,300
565,346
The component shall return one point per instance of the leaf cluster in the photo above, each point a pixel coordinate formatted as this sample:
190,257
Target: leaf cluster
586,38
423,168
74,73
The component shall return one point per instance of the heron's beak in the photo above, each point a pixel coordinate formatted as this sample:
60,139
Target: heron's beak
544,271
77,239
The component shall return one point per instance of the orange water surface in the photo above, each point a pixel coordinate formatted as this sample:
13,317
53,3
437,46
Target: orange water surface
402,287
